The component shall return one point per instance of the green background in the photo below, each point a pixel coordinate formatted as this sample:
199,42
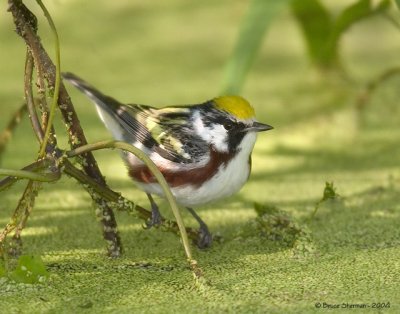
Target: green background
174,52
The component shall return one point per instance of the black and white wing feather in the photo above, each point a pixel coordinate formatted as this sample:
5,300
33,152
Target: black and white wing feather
167,131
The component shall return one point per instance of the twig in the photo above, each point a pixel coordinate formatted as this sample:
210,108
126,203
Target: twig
29,97
157,174
105,192
26,26
33,167
23,174
371,86
25,204
57,83
32,190
122,203
25,23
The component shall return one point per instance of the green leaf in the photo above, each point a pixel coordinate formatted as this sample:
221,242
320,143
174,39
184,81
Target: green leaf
354,13
351,15
329,192
322,33
316,24
254,25
30,269
328,195
398,3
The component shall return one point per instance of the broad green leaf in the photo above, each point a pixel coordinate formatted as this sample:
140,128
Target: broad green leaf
316,24
254,25
30,269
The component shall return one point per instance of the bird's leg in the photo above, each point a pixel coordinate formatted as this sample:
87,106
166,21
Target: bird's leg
155,213
205,237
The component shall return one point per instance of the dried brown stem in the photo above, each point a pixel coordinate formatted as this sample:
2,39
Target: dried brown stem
90,177
32,187
105,192
122,204
35,166
26,203
26,27
29,97
23,209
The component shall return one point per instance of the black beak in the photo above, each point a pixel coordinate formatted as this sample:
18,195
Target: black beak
259,127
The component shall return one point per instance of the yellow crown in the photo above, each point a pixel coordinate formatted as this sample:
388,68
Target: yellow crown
236,106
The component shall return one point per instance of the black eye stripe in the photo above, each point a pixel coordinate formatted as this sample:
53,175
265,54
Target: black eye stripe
228,125
212,117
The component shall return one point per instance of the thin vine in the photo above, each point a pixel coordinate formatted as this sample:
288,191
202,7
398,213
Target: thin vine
58,79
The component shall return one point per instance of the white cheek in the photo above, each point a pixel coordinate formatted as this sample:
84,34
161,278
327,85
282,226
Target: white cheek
215,135
218,137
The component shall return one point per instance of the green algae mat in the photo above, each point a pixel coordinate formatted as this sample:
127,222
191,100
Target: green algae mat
315,229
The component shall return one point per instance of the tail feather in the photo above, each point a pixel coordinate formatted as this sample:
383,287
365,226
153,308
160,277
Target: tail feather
107,107
106,103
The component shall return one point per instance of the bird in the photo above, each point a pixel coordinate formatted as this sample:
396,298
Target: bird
202,150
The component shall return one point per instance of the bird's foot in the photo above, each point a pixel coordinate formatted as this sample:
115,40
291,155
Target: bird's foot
155,220
205,238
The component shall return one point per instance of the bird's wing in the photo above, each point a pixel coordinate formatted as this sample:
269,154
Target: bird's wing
166,131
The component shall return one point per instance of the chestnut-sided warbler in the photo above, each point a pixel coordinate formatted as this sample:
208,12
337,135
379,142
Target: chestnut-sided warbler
203,151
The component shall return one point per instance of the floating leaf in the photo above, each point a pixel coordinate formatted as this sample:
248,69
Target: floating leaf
30,269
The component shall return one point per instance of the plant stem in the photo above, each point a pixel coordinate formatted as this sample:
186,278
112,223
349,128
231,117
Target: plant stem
21,212
58,79
23,174
26,26
29,96
33,167
128,206
153,168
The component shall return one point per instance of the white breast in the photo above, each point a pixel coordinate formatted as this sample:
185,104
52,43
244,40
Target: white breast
227,181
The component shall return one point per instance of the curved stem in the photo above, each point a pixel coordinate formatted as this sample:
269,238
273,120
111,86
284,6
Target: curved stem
157,174
24,174
33,167
29,96
112,196
58,79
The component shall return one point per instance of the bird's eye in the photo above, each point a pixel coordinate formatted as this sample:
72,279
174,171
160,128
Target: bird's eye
228,125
